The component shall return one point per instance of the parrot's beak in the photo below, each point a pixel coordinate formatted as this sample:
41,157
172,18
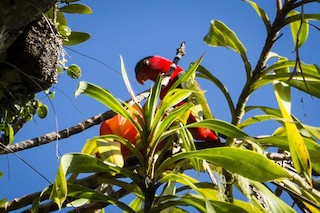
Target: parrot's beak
140,78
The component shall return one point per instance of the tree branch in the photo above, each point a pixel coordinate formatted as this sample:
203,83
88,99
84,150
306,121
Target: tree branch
65,133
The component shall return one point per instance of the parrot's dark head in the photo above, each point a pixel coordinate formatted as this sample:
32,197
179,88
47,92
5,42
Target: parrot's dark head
142,69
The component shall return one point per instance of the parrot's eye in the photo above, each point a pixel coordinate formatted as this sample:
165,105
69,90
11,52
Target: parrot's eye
146,62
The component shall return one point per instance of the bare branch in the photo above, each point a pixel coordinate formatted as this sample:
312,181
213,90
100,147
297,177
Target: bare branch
65,133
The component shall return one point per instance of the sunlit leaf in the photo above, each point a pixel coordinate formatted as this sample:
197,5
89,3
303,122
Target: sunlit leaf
136,204
261,13
299,29
244,162
42,111
297,147
126,79
220,35
64,30
222,127
274,202
106,98
59,189
74,71
256,119
76,8
82,163
110,151
76,38
204,73
281,142
84,192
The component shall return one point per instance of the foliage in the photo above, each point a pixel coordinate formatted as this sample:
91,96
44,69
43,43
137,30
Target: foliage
159,182
288,158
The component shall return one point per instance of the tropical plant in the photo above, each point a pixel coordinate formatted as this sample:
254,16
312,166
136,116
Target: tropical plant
260,167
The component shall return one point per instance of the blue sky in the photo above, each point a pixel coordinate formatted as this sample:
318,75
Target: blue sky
135,29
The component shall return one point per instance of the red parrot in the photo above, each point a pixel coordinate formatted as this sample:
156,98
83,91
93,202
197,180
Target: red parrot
149,68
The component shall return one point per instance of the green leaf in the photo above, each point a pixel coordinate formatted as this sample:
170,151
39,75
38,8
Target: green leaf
282,143
243,162
297,147
204,73
64,30
258,118
261,13
42,111
76,8
126,79
106,98
76,38
299,29
222,127
166,122
9,132
274,202
74,71
220,35
59,189
83,163
84,192
136,204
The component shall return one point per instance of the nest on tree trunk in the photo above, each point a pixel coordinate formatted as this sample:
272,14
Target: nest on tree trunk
33,58
30,66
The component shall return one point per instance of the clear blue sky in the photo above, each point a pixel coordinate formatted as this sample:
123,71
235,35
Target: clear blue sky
136,29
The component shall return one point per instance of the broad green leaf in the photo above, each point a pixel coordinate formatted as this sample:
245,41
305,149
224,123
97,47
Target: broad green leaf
311,70
83,163
9,132
105,98
134,149
299,29
59,188
256,119
261,13
76,8
222,127
220,35
282,143
294,18
76,38
74,71
152,103
64,30
163,122
314,131
136,204
188,74
311,77
297,147
197,202
243,162
204,73
274,202
249,207
78,191
42,111
110,151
